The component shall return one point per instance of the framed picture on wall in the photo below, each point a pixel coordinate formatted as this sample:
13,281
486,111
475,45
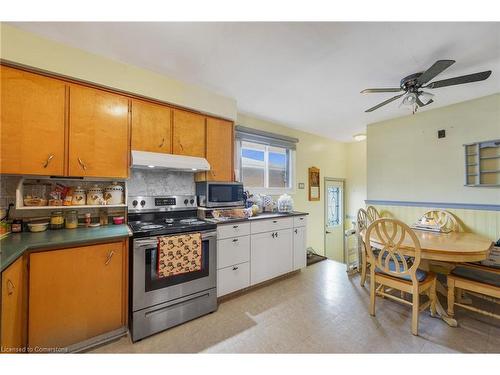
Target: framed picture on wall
314,192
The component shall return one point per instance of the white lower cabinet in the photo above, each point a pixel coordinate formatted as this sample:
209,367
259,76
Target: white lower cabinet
233,278
270,255
299,248
252,252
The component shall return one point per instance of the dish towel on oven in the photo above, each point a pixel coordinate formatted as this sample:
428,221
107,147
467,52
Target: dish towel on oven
179,254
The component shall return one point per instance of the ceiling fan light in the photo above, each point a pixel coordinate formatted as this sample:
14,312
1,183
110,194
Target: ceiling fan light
426,97
409,100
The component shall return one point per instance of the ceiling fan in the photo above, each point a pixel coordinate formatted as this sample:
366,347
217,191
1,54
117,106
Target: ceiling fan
414,96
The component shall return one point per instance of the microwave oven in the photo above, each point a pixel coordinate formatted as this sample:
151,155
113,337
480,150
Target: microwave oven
212,194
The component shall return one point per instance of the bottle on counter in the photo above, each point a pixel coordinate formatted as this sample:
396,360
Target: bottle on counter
88,219
56,220
71,219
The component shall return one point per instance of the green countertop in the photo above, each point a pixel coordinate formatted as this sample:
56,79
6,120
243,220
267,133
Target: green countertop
15,244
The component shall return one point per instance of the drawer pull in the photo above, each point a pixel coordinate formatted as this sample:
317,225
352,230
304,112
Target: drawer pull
235,240
235,268
10,287
235,226
275,221
110,255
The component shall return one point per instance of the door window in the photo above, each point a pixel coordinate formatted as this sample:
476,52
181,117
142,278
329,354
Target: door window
333,213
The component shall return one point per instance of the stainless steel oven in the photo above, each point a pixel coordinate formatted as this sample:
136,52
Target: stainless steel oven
160,303
219,194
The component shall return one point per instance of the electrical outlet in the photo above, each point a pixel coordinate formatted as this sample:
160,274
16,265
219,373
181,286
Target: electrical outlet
302,185
441,133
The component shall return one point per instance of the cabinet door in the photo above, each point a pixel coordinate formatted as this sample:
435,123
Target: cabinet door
98,133
299,248
76,294
151,127
271,255
188,134
220,144
32,123
13,307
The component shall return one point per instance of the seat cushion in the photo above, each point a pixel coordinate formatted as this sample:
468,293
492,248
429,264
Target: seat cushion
482,276
421,275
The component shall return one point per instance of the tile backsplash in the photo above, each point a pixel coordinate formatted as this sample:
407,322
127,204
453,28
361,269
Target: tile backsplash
141,182
160,182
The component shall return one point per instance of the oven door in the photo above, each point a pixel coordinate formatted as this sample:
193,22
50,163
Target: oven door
224,194
149,289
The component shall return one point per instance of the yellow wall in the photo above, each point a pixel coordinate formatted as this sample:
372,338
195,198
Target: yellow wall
312,151
356,179
29,49
407,162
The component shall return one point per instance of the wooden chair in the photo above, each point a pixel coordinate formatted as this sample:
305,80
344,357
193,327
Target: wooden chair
478,280
362,224
443,218
365,218
389,267
372,214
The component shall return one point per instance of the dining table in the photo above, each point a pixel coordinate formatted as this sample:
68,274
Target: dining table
438,248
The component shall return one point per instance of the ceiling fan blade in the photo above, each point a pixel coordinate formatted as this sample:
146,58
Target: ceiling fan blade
481,76
434,70
369,91
385,102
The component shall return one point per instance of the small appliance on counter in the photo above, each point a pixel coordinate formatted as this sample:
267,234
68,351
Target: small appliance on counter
159,302
213,194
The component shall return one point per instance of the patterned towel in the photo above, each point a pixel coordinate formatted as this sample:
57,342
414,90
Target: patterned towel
179,254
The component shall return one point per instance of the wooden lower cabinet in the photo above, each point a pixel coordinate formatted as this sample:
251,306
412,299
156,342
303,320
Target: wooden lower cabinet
13,308
76,294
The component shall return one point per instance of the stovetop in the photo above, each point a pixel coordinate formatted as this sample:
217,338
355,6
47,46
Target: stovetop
166,215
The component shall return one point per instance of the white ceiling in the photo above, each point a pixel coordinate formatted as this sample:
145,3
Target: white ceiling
305,75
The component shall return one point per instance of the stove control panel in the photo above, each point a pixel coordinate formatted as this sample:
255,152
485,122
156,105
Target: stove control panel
162,203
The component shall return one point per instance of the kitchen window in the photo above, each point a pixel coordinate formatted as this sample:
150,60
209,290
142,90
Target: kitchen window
264,161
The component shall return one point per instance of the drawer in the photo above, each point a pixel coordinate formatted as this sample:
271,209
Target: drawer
233,278
300,221
232,251
269,225
232,230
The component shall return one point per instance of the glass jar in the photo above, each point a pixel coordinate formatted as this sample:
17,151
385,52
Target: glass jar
56,220
71,219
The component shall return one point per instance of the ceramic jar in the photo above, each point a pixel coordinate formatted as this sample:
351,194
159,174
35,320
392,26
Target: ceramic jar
79,197
113,194
95,196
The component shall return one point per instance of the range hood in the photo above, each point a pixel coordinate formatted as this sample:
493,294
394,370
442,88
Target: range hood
156,160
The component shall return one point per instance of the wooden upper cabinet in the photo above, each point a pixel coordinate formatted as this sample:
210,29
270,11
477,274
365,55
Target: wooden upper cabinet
98,133
220,144
188,133
151,127
13,307
76,294
32,123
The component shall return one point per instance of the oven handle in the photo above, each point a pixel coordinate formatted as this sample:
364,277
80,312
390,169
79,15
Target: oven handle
148,242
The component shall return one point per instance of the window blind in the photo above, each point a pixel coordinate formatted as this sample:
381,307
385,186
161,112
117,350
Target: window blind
244,133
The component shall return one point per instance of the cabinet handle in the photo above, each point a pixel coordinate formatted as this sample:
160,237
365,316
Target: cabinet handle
82,164
235,268
180,145
110,255
235,240
273,235
276,234
46,164
162,142
235,226
275,221
295,231
10,287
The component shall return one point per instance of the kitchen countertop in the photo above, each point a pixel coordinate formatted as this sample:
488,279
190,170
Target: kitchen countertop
263,216
16,244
